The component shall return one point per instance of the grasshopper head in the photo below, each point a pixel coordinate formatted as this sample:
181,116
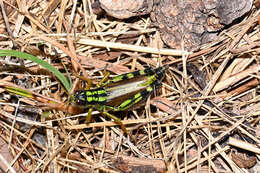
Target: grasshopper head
81,97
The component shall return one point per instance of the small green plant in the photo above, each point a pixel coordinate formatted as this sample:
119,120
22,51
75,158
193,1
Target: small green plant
40,62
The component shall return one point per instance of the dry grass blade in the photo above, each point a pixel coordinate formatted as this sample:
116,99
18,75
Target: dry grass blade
120,46
235,78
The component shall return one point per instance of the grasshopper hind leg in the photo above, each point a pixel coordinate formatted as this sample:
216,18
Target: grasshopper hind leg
118,121
127,104
135,99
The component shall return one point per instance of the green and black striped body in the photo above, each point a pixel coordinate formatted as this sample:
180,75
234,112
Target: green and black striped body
91,97
123,91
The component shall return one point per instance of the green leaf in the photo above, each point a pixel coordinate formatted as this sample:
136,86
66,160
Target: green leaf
44,64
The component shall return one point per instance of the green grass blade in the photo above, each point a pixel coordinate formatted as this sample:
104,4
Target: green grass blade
19,92
67,71
35,59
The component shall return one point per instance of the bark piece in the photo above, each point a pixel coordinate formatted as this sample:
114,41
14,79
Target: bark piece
195,22
141,165
243,160
123,9
229,10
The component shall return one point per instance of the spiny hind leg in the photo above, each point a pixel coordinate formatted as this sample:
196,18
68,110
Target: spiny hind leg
135,99
117,120
127,104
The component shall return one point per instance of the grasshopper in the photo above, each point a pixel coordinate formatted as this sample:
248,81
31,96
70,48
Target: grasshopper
121,92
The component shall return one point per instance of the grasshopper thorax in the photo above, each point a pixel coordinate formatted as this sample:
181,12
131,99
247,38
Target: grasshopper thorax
90,97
